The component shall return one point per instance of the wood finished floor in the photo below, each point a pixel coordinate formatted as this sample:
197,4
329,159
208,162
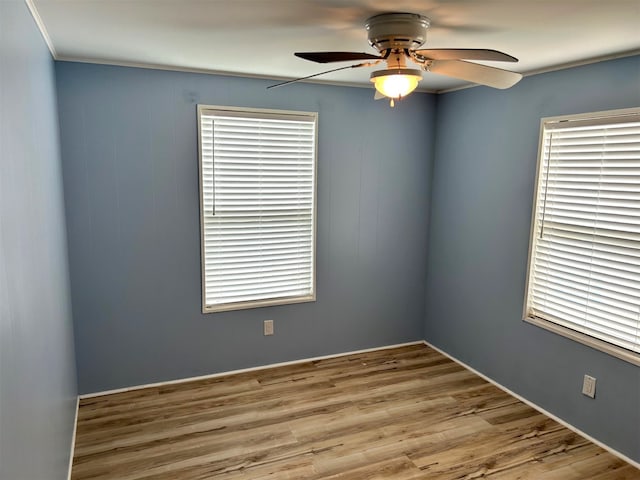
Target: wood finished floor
401,414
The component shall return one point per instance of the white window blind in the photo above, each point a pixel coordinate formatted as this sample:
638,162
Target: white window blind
584,272
257,176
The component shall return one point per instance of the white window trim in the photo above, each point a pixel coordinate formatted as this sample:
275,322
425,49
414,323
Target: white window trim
611,349
267,302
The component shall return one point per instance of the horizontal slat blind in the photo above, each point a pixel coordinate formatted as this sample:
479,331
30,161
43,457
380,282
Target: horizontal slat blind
585,271
258,206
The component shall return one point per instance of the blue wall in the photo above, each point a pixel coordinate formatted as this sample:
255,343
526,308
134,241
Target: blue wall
37,370
129,144
483,180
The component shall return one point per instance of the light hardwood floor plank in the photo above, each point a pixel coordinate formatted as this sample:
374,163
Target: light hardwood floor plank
403,414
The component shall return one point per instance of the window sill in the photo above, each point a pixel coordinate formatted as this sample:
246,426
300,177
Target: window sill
228,307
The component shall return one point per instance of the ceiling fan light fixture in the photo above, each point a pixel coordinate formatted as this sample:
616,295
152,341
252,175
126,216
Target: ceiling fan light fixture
396,82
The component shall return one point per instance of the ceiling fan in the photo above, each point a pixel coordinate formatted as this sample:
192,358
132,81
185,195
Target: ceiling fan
397,38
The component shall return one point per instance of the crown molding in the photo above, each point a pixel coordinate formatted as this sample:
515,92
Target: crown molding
559,66
174,68
43,30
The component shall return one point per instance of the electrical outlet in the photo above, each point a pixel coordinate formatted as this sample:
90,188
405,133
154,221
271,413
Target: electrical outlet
268,327
589,386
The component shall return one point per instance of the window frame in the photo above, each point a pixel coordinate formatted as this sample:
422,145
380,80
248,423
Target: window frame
250,304
583,338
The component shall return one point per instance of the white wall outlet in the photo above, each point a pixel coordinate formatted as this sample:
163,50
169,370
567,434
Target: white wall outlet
268,327
589,386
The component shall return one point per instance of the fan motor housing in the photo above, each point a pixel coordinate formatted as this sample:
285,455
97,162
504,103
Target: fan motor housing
397,30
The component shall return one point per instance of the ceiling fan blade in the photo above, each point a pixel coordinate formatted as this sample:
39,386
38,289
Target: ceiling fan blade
465,54
328,57
287,82
476,73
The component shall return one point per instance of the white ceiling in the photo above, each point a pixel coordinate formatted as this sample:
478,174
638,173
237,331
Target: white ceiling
259,37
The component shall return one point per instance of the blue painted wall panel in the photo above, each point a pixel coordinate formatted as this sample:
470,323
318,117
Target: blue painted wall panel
483,181
129,143
37,367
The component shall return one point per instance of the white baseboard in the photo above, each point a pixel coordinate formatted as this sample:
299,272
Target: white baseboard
539,408
244,370
73,438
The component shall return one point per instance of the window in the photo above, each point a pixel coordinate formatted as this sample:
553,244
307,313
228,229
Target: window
584,261
257,204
